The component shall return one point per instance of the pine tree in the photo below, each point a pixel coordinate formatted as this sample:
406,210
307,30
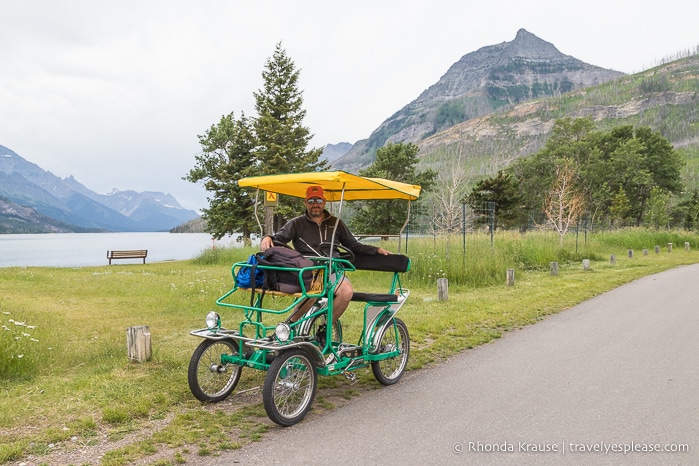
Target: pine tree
282,138
502,191
227,155
394,162
273,142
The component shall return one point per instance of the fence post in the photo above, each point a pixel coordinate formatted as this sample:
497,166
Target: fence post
612,259
630,253
442,289
657,249
645,251
510,277
138,345
669,247
586,264
554,268
686,245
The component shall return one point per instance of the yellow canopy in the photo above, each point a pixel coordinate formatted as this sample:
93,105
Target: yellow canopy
355,187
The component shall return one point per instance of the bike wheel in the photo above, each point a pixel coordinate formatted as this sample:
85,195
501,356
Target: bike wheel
290,387
211,380
394,336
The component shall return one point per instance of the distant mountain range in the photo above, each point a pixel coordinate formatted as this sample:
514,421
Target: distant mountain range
33,200
332,152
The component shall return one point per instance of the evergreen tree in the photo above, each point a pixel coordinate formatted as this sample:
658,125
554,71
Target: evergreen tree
273,142
227,155
281,137
501,190
394,162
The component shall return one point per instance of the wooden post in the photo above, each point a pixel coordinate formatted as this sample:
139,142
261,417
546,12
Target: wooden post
686,245
510,277
657,249
138,344
645,251
442,289
669,247
554,268
630,253
612,259
586,264
269,220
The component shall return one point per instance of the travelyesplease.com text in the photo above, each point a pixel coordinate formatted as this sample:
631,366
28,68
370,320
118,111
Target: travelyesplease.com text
570,447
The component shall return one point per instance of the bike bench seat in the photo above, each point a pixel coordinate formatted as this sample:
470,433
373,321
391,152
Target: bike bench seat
357,296
273,292
395,263
374,297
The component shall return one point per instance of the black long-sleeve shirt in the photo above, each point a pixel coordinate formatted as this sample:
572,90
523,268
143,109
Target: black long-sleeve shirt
306,235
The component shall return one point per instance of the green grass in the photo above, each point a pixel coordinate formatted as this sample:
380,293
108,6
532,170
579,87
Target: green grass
73,384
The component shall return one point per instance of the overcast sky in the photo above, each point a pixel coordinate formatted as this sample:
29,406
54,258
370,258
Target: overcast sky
115,93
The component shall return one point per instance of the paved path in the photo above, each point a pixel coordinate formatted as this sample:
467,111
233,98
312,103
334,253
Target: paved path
616,372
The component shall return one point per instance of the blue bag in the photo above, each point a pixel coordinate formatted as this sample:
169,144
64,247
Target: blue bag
243,278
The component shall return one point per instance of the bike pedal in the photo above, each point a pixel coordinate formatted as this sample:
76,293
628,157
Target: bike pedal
350,376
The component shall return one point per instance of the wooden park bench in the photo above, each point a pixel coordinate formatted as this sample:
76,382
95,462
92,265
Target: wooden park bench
128,254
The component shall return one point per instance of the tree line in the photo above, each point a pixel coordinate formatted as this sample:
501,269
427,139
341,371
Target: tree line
624,176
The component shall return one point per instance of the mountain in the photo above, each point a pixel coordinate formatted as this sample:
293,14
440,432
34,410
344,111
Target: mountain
332,152
15,218
76,208
491,78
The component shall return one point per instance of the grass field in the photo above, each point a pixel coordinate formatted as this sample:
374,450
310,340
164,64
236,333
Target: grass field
67,385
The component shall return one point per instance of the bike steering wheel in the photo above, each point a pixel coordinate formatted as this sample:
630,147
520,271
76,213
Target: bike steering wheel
339,251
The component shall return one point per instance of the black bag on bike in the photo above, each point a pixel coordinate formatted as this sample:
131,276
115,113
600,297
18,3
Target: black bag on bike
287,282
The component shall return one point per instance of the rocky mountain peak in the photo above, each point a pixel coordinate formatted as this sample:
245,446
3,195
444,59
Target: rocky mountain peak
526,44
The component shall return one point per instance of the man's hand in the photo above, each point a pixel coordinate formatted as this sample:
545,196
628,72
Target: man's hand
265,243
383,251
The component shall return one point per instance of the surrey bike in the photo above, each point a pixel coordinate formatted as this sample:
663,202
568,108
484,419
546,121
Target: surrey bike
293,354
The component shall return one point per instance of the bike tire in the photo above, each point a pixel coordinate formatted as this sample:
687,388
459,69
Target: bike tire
389,371
290,387
209,379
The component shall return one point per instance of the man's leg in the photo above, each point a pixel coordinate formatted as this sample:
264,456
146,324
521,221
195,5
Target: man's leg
301,310
343,296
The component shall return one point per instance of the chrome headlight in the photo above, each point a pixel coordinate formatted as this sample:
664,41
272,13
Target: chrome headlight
213,321
282,331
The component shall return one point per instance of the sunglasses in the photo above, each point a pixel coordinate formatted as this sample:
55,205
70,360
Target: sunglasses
315,200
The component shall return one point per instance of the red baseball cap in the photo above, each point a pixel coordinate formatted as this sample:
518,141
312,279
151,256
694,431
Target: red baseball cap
314,191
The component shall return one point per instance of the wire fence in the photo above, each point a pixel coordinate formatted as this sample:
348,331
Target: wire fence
474,225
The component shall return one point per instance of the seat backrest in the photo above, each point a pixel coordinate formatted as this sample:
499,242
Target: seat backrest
381,263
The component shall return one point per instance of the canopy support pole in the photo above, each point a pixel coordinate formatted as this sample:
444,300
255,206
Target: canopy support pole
257,217
400,234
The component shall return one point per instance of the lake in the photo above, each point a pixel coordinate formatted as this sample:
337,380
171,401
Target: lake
89,249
